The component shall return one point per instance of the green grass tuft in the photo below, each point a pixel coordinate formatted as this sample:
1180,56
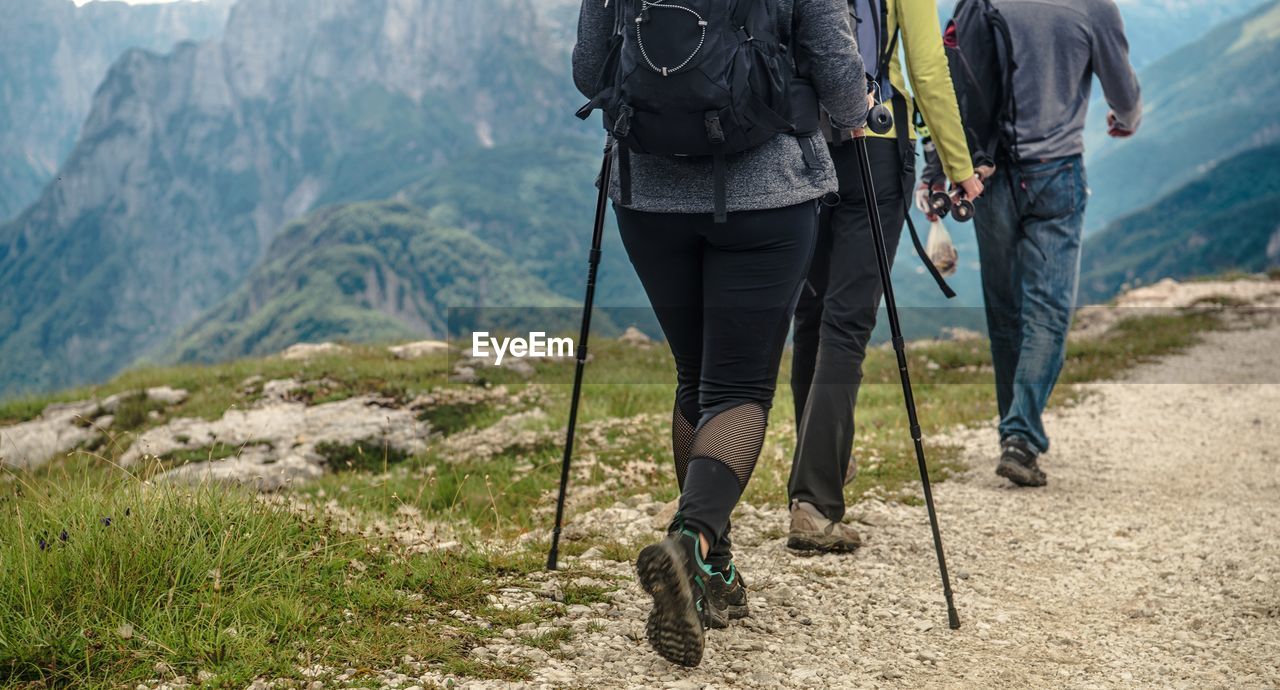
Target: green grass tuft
368,455
101,583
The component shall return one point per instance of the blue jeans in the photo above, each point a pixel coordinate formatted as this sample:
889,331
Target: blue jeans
1029,225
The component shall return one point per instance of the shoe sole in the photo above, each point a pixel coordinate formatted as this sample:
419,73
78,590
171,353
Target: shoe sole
719,619
812,546
1019,475
674,630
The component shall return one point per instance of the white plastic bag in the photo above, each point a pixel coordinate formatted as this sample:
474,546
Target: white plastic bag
942,252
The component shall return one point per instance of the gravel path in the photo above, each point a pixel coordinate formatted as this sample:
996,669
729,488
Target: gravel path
1151,559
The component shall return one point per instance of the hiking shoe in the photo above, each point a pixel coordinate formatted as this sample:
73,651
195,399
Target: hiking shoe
726,596
811,531
1018,463
672,572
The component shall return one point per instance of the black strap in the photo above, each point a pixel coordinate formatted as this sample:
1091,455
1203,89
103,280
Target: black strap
903,128
1001,27
624,173
909,173
741,10
924,256
887,48
811,160
718,174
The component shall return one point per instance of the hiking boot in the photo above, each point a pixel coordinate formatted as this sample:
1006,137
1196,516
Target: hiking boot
811,531
727,597
672,572
1018,463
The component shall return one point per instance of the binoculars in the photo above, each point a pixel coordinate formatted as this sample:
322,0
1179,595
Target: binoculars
940,204
880,121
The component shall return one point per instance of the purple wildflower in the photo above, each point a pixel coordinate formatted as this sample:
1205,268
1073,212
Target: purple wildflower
63,536
44,545
106,521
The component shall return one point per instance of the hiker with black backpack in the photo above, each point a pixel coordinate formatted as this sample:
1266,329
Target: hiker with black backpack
837,311
712,111
1023,71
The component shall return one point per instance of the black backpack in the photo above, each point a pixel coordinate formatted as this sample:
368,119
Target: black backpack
980,53
700,78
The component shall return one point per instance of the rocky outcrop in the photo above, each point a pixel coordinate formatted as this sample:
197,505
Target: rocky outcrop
279,443
53,55
64,427
1239,298
418,350
303,351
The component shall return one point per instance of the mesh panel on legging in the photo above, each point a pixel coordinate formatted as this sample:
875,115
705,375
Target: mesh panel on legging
681,442
734,437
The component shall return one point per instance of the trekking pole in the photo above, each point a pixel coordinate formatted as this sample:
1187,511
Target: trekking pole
597,239
899,347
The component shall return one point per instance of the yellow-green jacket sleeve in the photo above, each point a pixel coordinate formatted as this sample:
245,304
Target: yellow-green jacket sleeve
931,83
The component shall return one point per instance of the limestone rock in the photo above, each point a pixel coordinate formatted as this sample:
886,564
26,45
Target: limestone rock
276,443
303,351
636,338
419,349
60,428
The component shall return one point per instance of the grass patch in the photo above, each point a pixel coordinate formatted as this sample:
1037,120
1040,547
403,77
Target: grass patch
101,583
586,594
353,457
450,418
22,409
134,411
550,640
362,370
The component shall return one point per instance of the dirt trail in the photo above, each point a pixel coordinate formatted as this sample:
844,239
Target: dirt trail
1151,559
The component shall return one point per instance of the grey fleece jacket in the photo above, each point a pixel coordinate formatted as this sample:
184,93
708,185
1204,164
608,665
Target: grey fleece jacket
1058,46
773,175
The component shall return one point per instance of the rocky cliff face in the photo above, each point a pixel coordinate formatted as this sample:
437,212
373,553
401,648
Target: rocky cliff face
53,55
191,161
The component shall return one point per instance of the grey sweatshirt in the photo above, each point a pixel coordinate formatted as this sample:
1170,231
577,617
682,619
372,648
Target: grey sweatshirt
773,175
1058,46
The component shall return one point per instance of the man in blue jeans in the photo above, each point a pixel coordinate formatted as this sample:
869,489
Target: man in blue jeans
1029,221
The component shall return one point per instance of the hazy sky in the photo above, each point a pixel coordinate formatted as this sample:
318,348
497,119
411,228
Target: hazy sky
131,2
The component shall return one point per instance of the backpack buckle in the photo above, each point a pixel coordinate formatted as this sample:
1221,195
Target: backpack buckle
622,125
715,131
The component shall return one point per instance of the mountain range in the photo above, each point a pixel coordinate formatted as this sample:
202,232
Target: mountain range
53,56
355,169
1227,220
1204,103
192,161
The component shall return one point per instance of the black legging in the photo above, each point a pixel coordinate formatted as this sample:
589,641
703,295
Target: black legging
724,295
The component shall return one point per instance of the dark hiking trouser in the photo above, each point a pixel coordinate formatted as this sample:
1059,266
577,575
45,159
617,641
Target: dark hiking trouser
834,321
724,294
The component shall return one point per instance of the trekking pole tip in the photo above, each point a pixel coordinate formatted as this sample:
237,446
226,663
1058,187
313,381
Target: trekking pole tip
953,618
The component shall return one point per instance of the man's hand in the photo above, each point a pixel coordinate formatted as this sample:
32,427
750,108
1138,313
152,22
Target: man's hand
859,132
971,188
1114,130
